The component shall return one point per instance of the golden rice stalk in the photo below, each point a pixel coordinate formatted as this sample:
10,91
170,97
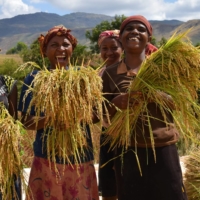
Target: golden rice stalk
191,174
10,159
175,70
68,99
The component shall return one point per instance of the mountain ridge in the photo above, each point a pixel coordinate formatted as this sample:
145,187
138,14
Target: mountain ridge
27,27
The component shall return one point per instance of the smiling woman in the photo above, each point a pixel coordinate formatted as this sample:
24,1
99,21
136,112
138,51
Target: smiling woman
139,175
63,163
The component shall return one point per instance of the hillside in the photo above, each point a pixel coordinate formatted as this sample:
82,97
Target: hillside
27,28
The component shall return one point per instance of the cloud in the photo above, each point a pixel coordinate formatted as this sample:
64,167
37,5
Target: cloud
153,10
10,8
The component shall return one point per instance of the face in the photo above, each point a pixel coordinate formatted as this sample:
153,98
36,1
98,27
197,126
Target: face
135,37
111,51
59,51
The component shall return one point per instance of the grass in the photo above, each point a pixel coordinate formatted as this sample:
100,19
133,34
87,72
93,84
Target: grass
15,57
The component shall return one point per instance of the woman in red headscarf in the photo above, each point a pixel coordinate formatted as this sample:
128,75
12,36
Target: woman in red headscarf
160,180
67,180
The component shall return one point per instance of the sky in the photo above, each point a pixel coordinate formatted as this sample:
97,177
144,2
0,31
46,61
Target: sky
182,10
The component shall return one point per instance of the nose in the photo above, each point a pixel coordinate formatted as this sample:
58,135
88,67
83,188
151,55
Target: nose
109,52
134,30
60,48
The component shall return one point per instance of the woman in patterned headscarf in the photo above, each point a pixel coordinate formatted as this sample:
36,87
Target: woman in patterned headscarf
110,48
70,181
111,51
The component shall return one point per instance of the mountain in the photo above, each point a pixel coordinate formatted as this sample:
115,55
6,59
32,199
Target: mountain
26,28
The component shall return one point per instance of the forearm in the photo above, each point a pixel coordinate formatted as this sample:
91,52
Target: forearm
32,122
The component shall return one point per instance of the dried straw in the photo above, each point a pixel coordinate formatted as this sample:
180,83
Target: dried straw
191,174
68,99
175,70
11,165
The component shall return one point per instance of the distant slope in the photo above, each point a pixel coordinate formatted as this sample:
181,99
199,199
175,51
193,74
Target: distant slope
28,27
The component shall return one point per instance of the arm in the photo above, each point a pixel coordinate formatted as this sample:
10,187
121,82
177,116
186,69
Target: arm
28,119
32,123
12,100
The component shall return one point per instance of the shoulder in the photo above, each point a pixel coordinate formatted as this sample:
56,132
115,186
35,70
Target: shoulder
29,78
9,81
110,71
113,68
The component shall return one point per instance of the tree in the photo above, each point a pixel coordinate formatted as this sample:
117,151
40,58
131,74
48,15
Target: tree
153,41
33,54
93,35
17,49
197,44
80,55
162,41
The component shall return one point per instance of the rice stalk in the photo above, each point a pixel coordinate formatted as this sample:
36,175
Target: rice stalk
11,165
175,70
67,99
191,174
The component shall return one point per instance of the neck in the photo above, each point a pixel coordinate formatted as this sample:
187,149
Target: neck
134,61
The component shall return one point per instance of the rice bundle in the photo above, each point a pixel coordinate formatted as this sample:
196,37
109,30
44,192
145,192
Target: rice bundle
67,99
191,174
11,165
175,70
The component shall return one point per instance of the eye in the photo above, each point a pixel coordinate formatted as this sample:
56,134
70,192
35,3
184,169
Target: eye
142,29
66,45
104,48
114,48
129,28
54,45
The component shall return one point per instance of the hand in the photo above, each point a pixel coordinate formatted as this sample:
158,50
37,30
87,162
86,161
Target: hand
127,99
109,198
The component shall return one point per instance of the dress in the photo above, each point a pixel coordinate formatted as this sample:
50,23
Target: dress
6,86
160,180
45,182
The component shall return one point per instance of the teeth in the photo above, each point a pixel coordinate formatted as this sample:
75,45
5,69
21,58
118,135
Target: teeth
133,38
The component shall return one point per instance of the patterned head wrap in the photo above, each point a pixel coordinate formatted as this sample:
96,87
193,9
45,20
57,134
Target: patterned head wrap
108,34
138,18
59,30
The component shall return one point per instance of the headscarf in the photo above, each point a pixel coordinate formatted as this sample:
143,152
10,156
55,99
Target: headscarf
150,48
59,30
138,18
108,34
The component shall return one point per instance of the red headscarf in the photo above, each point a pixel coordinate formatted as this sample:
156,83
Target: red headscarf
108,34
59,30
138,18
150,49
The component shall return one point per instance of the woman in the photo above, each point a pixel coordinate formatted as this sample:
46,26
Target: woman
8,95
111,52
160,180
75,181
110,48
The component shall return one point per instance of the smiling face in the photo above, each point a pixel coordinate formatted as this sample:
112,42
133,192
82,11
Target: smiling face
135,37
59,50
111,51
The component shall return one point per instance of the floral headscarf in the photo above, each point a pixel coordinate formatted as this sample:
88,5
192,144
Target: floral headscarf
59,30
108,33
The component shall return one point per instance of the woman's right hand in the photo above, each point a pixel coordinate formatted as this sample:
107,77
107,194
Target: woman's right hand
123,101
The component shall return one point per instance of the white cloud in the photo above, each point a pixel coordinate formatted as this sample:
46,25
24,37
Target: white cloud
153,10
10,8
